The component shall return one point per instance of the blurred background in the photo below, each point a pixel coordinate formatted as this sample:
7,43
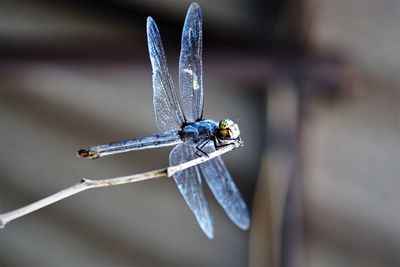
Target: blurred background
313,83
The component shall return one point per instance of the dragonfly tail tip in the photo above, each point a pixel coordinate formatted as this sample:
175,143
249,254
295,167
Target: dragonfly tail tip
87,153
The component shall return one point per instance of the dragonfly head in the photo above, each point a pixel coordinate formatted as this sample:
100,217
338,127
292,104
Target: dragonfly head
227,131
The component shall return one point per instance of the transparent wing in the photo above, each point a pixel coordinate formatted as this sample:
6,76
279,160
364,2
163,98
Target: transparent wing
167,109
190,186
222,186
191,66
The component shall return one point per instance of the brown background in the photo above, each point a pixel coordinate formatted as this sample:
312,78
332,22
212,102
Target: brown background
314,85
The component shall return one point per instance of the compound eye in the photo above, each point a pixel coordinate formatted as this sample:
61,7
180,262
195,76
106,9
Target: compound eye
226,124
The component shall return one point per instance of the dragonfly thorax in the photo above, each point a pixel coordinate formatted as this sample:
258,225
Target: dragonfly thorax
199,131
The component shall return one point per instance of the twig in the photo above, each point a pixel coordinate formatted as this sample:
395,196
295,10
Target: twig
85,184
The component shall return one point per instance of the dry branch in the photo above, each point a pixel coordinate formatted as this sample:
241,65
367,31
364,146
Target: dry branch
85,184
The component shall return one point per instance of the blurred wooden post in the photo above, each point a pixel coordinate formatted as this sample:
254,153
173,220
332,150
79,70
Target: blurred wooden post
277,233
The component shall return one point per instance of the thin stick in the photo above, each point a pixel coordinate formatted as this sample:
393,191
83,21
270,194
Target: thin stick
85,184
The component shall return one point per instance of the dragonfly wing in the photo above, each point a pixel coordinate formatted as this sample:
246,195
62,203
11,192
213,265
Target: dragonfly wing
191,66
190,186
225,191
167,109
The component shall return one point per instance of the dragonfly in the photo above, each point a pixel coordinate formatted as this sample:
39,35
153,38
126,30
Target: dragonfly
180,122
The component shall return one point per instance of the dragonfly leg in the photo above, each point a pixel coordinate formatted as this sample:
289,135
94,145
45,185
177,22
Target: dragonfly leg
216,145
199,147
